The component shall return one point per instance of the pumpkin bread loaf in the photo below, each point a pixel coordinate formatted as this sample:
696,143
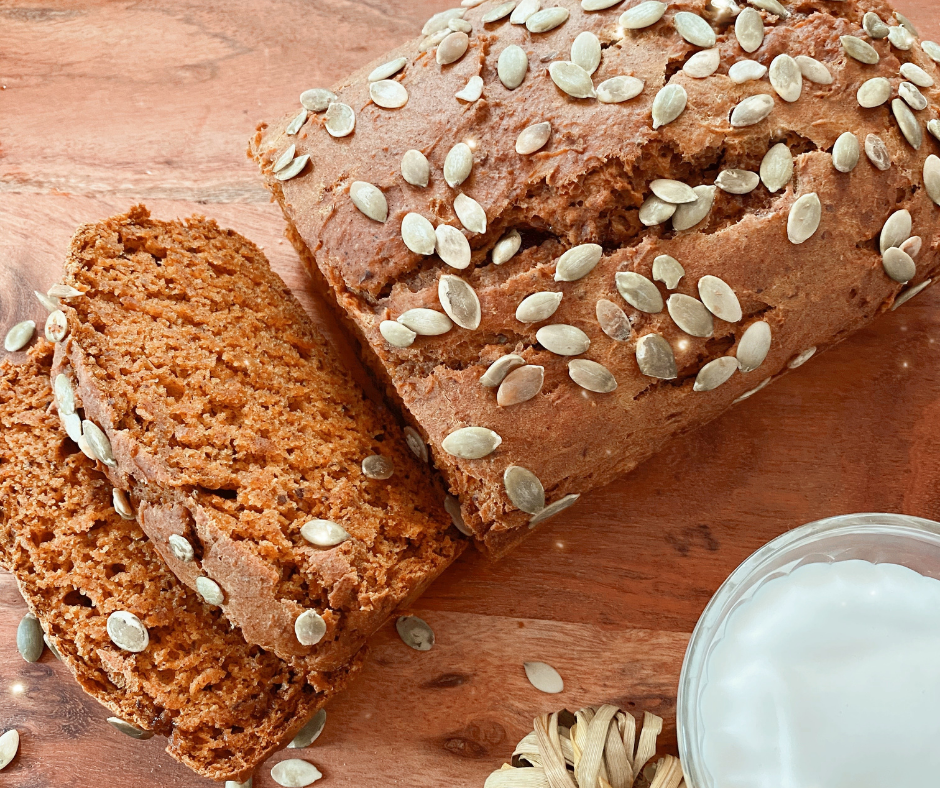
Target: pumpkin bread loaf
268,482
225,705
566,235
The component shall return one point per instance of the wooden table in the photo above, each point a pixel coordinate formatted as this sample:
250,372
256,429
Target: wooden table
104,104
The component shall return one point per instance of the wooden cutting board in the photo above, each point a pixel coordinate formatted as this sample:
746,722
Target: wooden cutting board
104,104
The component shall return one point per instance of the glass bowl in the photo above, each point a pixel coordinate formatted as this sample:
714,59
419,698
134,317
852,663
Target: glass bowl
877,538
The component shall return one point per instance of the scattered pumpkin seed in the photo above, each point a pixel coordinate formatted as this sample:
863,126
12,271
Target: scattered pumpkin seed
786,78
932,49
396,334
473,91
719,299
524,489
655,211
690,315
933,127
813,70
127,632
533,138
471,443
932,178
754,346
667,270
694,29
752,110
800,359
572,79
295,773
749,30
877,152
86,448
415,168
669,104
458,164
639,292
655,357
309,628
912,246
122,505
912,96
613,320
618,89
874,26
643,15
51,304
415,633
899,265
51,646
452,48
715,373
544,677
906,23
459,301
497,371
9,744
520,385
523,11
538,307
98,442
64,394
129,730
897,229
690,214
452,507
310,732
293,169
547,19
340,119
578,262
592,376
675,192
506,247
388,94
64,291
284,159
752,392
29,640
460,26
846,153
296,124
776,169
317,99
426,322
703,64
418,234
512,66
325,533
746,71
471,214
19,336
908,294
369,200
73,425
737,181
387,70
452,246
439,21
563,340
874,92
181,548
375,466
554,508
917,75
498,13
804,218
416,443
210,591
773,6
860,50
586,51
433,40
900,38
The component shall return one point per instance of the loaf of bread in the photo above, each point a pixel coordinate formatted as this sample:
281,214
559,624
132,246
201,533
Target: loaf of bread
226,706
564,236
268,482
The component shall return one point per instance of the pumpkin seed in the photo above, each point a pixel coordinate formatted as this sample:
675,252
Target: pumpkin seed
813,70
310,732
547,19
524,489
51,304
538,307
752,392
452,48
470,213
800,359
426,322
73,425
738,181
375,466
667,270
19,336
613,320
439,21
715,373
458,164
719,299
578,262
906,23
862,51
776,169
899,265
544,677
122,505
932,178
786,78
618,89
846,152
471,443
129,730
933,127
639,292
295,773
416,443
415,633
746,71
655,357
472,91
912,246
309,628
877,152
51,646
749,30
533,138
497,371
512,66
293,169
754,346
912,96
98,443
210,591
284,159
340,120
598,5
752,110
523,11
669,104
86,448
317,99
643,15
388,94
694,29
674,192
874,26
387,70
722,11
563,340
396,334
690,214
874,92
655,211
452,507
690,315
900,38
908,294
296,124
127,632
500,12
459,301
418,234
324,533
586,51
64,394
804,218
703,64
181,548
592,376
554,508
29,640
932,49
64,291
520,386
572,79
369,200
897,229
452,246
415,168
773,6
506,247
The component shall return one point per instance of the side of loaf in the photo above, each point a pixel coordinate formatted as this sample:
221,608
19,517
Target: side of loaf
225,705
268,482
565,236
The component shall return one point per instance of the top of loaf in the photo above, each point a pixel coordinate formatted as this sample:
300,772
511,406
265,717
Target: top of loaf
586,185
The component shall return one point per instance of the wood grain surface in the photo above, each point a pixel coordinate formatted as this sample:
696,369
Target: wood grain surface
104,104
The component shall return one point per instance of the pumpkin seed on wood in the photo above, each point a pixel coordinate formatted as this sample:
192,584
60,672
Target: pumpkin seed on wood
452,246
296,124
746,71
29,640
813,70
523,11
932,49
912,96
415,168
459,301
618,89
899,265
309,628
471,214
426,322
719,299
19,336
897,229
64,291
497,371
122,505
524,489
592,376
547,19
416,443
98,442
860,50
210,591
675,192
690,214
846,153
317,99
572,79
786,78
639,292
387,70
520,385
293,169
310,732
900,38
702,64
669,104
613,320
694,29
396,334
586,51
578,262
295,773
804,218
538,307
643,15
774,6
458,164
127,632
690,315
874,26
554,508
418,234
180,548
51,304
776,169
749,30
452,48
715,373
512,66
752,110
473,91
500,12
375,466
471,443
533,138
324,533
9,744
284,159
932,178
415,633
874,92
800,359
563,340
544,677
917,75
388,94
369,200
506,247
129,730
655,357
667,270
908,294
737,181
340,120
51,646
754,346
655,211
877,152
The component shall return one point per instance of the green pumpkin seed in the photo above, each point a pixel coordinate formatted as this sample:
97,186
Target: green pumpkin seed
690,315
29,641
524,489
694,29
897,229
9,744
129,730
860,50
719,298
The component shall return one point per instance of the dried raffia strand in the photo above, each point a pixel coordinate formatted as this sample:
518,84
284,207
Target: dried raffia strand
668,773
592,758
553,761
619,765
646,749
